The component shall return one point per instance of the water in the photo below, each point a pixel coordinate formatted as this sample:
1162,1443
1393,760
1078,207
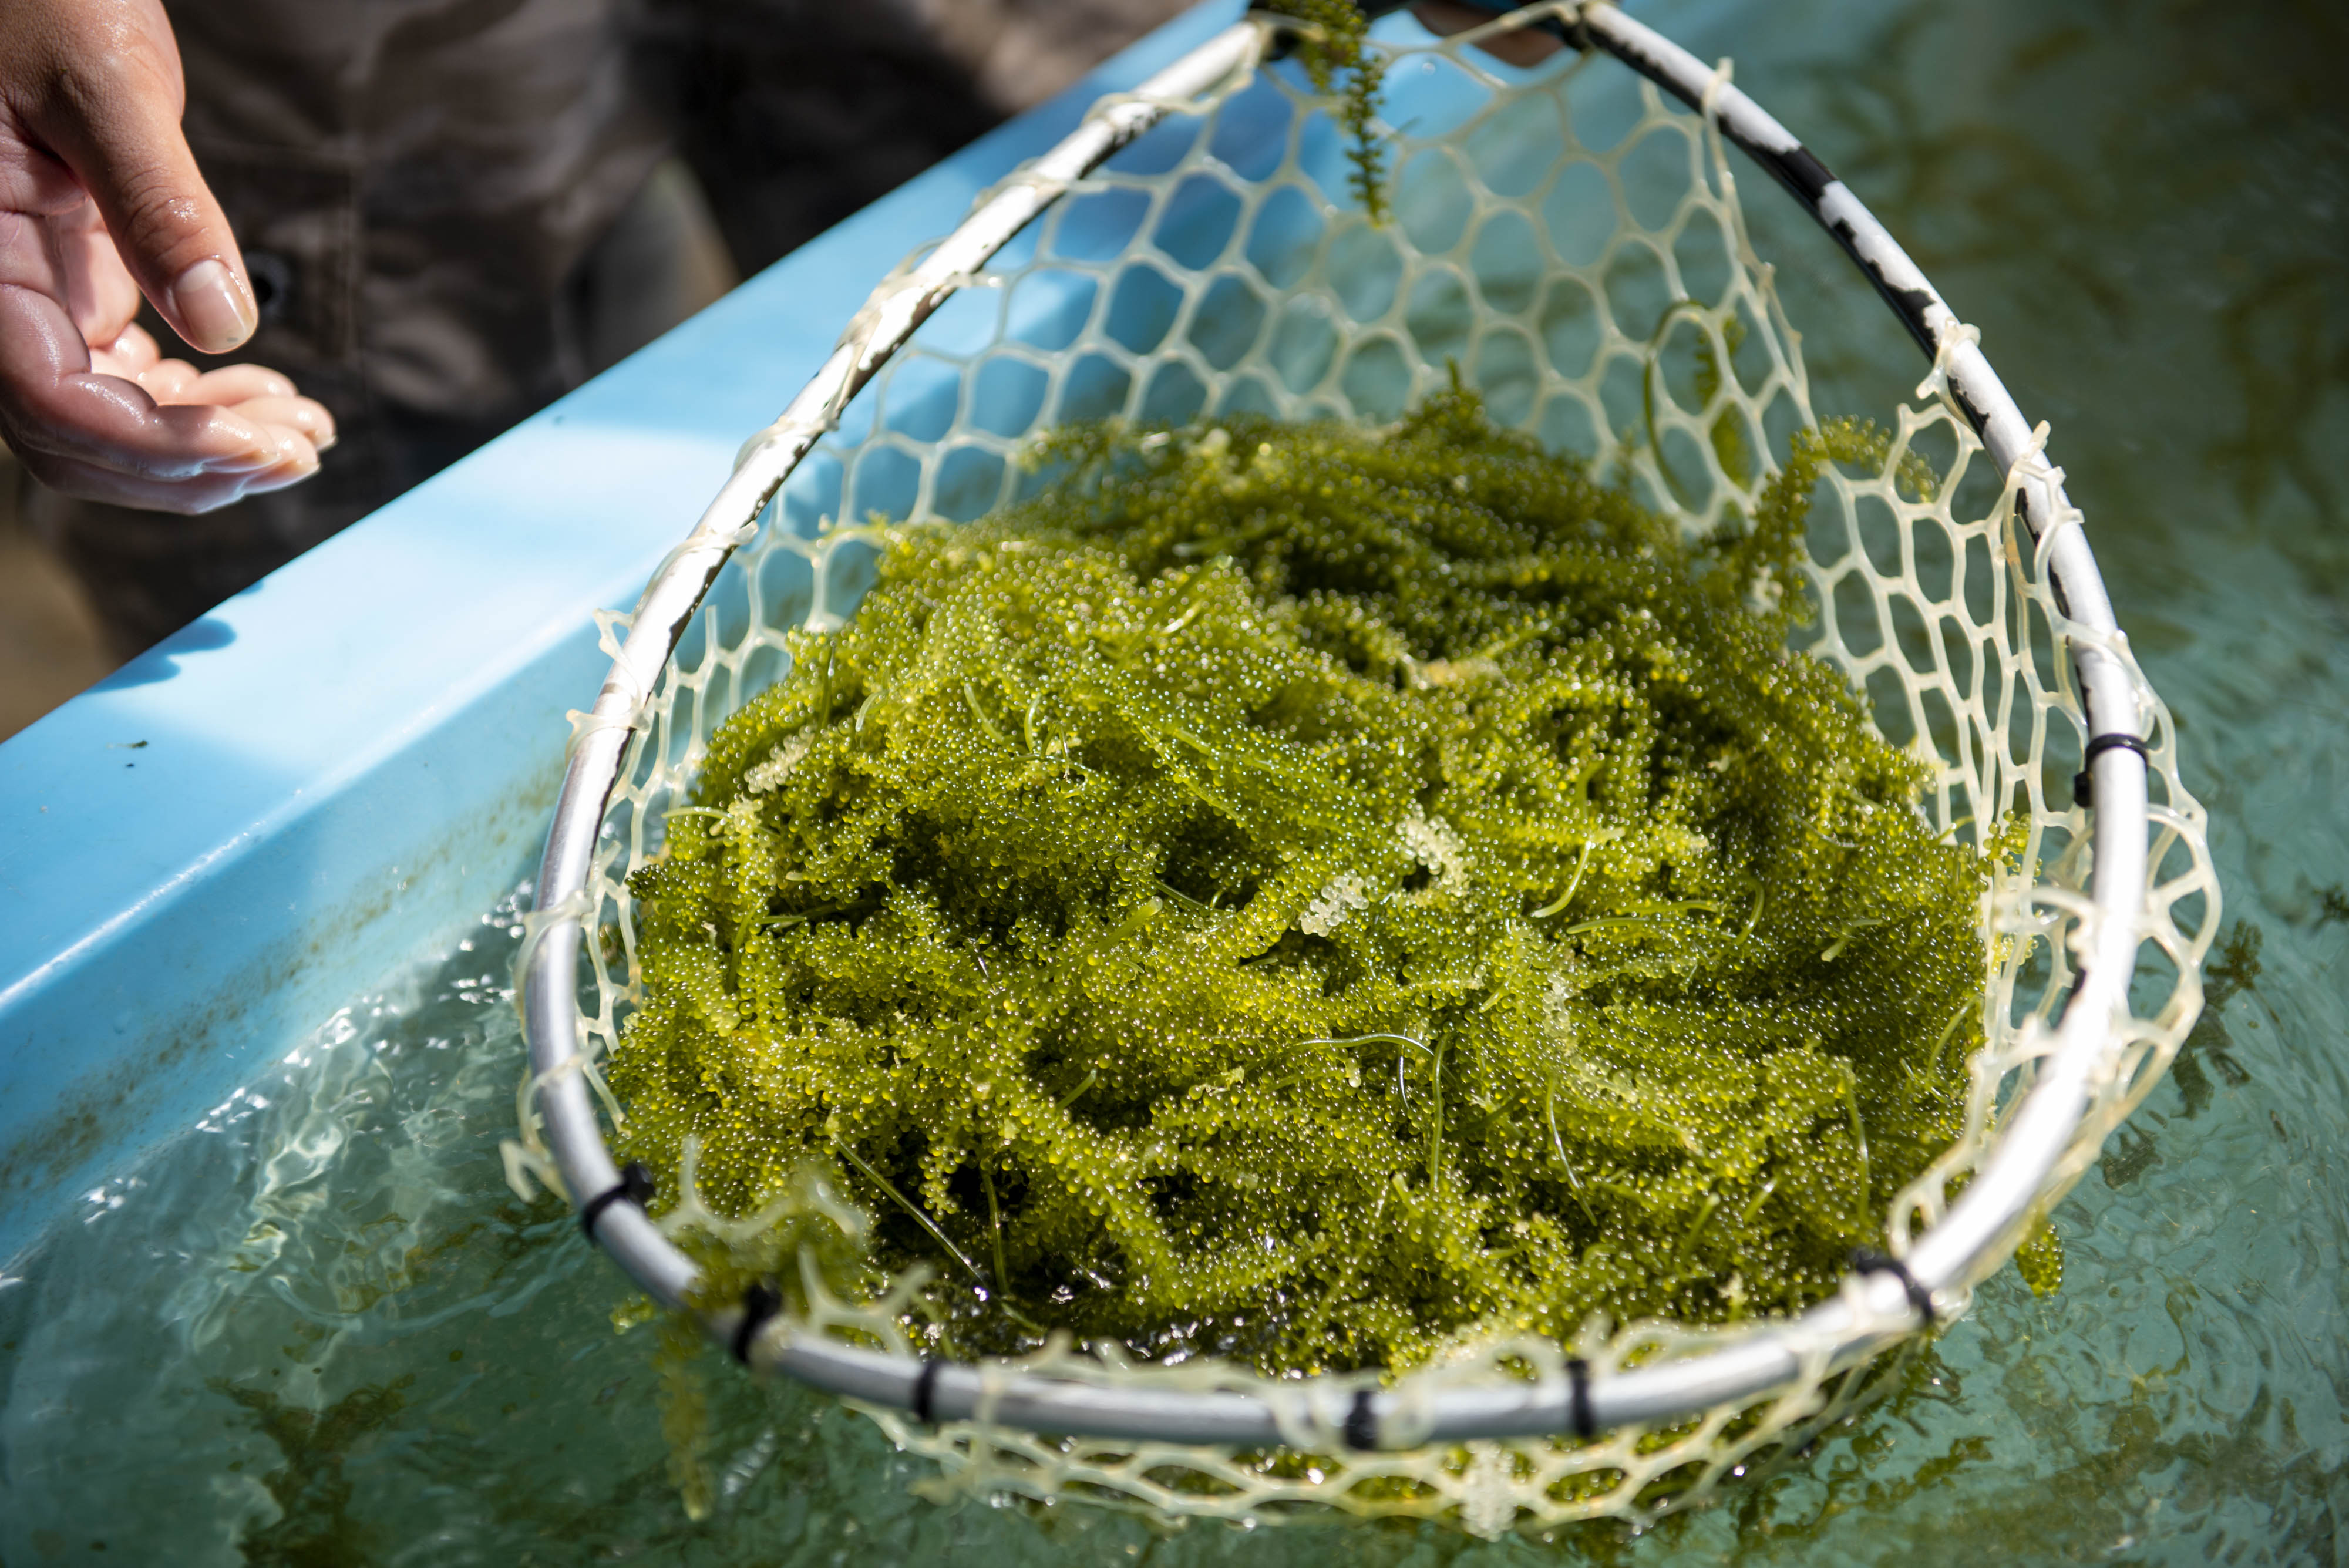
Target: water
320,1331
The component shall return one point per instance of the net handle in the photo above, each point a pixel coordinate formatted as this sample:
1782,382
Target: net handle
1876,1307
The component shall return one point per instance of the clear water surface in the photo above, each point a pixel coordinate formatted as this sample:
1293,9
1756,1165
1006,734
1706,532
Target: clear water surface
318,1330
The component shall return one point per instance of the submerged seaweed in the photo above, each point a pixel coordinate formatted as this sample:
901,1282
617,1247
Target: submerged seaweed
1301,892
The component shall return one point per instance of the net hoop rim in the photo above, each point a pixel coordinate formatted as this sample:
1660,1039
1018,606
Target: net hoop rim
1877,1306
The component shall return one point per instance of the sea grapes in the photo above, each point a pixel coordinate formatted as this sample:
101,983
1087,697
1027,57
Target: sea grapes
1303,892
1337,38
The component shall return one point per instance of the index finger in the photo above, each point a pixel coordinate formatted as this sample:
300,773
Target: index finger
113,117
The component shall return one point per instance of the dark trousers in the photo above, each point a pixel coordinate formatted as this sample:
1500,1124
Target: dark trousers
455,211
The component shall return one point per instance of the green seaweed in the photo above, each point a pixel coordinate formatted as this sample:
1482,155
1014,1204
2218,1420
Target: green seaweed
1336,40
315,1527
2233,967
1302,892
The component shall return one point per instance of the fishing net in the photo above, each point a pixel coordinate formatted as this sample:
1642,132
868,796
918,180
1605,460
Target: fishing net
1568,240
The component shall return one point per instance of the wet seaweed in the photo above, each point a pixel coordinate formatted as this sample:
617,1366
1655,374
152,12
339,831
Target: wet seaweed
1334,48
1301,892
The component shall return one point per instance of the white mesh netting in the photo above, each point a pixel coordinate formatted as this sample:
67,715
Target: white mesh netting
1574,245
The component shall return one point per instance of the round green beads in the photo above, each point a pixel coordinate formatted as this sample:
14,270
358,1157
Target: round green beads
1300,892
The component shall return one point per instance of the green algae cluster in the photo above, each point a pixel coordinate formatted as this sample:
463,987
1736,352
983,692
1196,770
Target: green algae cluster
1336,38
1302,892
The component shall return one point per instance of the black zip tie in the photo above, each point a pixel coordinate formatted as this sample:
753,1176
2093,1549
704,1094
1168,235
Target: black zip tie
925,1391
1363,1421
760,1303
1578,1398
1870,1262
636,1185
2064,1004
2082,787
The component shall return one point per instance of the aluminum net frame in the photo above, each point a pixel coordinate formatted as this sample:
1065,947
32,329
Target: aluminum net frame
1218,265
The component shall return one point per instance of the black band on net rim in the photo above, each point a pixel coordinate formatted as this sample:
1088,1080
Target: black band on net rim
1867,1261
925,1402
760,1302
1579,1417
636,1185
2083,785
1362,1429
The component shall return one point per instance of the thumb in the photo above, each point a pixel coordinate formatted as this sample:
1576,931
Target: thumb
122,139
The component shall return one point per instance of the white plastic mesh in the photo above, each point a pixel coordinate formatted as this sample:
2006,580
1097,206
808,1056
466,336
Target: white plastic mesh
1573,246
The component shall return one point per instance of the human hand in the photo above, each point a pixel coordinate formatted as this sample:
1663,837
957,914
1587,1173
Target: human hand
100,201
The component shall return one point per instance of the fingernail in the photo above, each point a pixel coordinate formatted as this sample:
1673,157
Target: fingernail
215,311
259,449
